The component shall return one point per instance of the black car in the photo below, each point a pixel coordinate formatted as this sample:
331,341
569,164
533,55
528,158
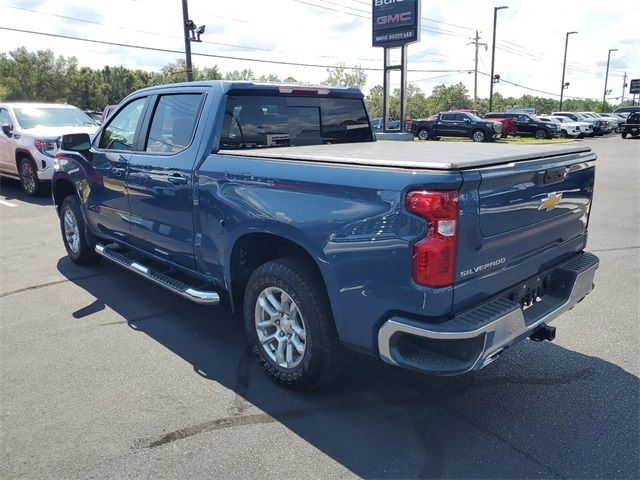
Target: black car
528,125
632,126
456,124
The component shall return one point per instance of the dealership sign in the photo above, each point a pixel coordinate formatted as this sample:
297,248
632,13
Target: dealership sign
634,86
395,22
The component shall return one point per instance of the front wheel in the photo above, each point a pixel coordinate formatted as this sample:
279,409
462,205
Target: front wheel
29,181
541,134
624,134
478,136
423,134
563,134
79,247
289,324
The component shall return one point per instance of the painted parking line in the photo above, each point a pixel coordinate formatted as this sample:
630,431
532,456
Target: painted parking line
7,204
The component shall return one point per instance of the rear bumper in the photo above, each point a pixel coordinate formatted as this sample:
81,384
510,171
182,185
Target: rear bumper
476,337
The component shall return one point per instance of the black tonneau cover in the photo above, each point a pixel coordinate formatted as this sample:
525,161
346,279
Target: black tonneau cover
418,155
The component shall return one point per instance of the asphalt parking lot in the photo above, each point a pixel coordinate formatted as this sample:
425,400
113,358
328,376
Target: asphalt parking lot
103,375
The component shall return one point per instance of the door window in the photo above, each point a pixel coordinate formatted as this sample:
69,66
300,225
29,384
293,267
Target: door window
448,117
120,132
174,122
5,119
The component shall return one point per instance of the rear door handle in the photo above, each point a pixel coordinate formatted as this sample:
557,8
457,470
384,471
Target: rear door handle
178,179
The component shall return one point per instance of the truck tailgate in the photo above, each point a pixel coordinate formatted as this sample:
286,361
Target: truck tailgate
518,220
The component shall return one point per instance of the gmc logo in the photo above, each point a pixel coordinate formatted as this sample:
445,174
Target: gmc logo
398,17
379,3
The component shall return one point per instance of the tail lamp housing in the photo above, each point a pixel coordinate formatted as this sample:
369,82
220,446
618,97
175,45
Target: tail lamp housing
434,256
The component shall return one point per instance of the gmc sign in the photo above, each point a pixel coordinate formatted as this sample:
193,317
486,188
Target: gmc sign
395,22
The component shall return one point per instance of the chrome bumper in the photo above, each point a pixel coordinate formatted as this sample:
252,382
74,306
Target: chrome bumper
476,337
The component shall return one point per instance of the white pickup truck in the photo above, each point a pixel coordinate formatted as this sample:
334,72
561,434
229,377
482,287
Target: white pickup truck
29,140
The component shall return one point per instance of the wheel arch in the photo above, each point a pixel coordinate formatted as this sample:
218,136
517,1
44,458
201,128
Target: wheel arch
21,153
253,249
60,189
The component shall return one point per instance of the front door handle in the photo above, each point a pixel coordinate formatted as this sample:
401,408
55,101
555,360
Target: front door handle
177,179
118,171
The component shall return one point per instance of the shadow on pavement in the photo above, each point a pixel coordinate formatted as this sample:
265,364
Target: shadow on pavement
11,190
539,411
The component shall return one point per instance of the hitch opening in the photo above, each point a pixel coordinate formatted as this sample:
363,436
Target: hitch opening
545,332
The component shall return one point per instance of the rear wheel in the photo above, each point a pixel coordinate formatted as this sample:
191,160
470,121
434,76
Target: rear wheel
74,235
29,180
478,136
624,134
289,325
423,134
541,134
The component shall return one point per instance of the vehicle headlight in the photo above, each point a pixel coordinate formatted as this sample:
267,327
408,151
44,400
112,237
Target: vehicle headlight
46,146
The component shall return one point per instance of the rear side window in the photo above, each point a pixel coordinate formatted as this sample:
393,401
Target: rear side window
448,117
121,131
272,121
173,123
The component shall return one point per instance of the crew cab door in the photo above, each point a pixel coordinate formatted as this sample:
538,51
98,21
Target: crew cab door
107,202
448,125
525,126
7,158
160,178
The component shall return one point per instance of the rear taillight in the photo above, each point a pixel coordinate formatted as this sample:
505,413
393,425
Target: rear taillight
434,257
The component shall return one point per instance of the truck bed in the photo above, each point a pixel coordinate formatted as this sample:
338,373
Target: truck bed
414,155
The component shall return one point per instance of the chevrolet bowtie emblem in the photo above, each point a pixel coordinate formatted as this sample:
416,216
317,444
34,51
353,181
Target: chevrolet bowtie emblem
551,202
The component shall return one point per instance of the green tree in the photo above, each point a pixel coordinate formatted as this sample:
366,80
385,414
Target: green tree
340,77
87,89
444,98
245,74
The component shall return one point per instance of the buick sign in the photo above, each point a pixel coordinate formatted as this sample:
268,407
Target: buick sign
395,22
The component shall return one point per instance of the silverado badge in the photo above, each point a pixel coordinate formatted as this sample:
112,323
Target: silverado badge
551,202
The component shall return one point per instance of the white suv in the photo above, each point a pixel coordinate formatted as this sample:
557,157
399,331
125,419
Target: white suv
29,139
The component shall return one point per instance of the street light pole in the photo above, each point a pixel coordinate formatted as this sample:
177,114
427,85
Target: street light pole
564,66
493,54
606,77
187,41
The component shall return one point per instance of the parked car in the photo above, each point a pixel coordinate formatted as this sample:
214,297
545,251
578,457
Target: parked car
394,124
457,124
509,125
435,257
632,125
609,124
29,140
567,129
598,124
618,119
528,125
629,109
95,116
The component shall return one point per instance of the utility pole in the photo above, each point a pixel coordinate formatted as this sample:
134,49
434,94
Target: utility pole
606,77
564,67
493,54
187,42
476,42
624,87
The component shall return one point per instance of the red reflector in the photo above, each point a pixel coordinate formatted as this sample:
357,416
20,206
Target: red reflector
434,257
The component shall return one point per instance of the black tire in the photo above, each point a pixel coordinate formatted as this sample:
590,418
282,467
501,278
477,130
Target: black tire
563,134
29,181
541,134
624,134
424,134
324,356
81,251
478,136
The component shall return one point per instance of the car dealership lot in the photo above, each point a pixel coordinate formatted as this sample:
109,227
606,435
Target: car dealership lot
103,375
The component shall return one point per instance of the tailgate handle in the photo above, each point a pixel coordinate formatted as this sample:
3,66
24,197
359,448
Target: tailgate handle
552,176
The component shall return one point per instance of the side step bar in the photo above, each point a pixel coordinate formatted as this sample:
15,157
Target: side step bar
176,286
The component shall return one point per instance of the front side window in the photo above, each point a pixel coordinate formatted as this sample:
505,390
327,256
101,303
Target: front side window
275,121
174,122
5,119
120,132
31,117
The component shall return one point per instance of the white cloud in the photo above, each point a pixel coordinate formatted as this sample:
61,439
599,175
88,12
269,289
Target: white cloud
529,50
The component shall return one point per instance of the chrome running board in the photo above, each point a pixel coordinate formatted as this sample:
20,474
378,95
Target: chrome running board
178,287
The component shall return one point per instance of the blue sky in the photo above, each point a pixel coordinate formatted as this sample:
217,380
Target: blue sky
529,46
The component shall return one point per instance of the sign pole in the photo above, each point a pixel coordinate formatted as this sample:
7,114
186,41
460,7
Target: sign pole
396,23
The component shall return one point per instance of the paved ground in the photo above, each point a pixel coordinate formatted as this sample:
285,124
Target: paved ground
103,375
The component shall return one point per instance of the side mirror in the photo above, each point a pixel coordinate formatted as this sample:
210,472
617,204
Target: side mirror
76,142
7,128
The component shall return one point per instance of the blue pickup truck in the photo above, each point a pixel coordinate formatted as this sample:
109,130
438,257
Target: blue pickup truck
280,201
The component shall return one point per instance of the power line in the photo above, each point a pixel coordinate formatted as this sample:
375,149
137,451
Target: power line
209,55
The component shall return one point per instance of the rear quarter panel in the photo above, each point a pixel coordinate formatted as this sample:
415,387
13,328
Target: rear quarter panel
351,220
